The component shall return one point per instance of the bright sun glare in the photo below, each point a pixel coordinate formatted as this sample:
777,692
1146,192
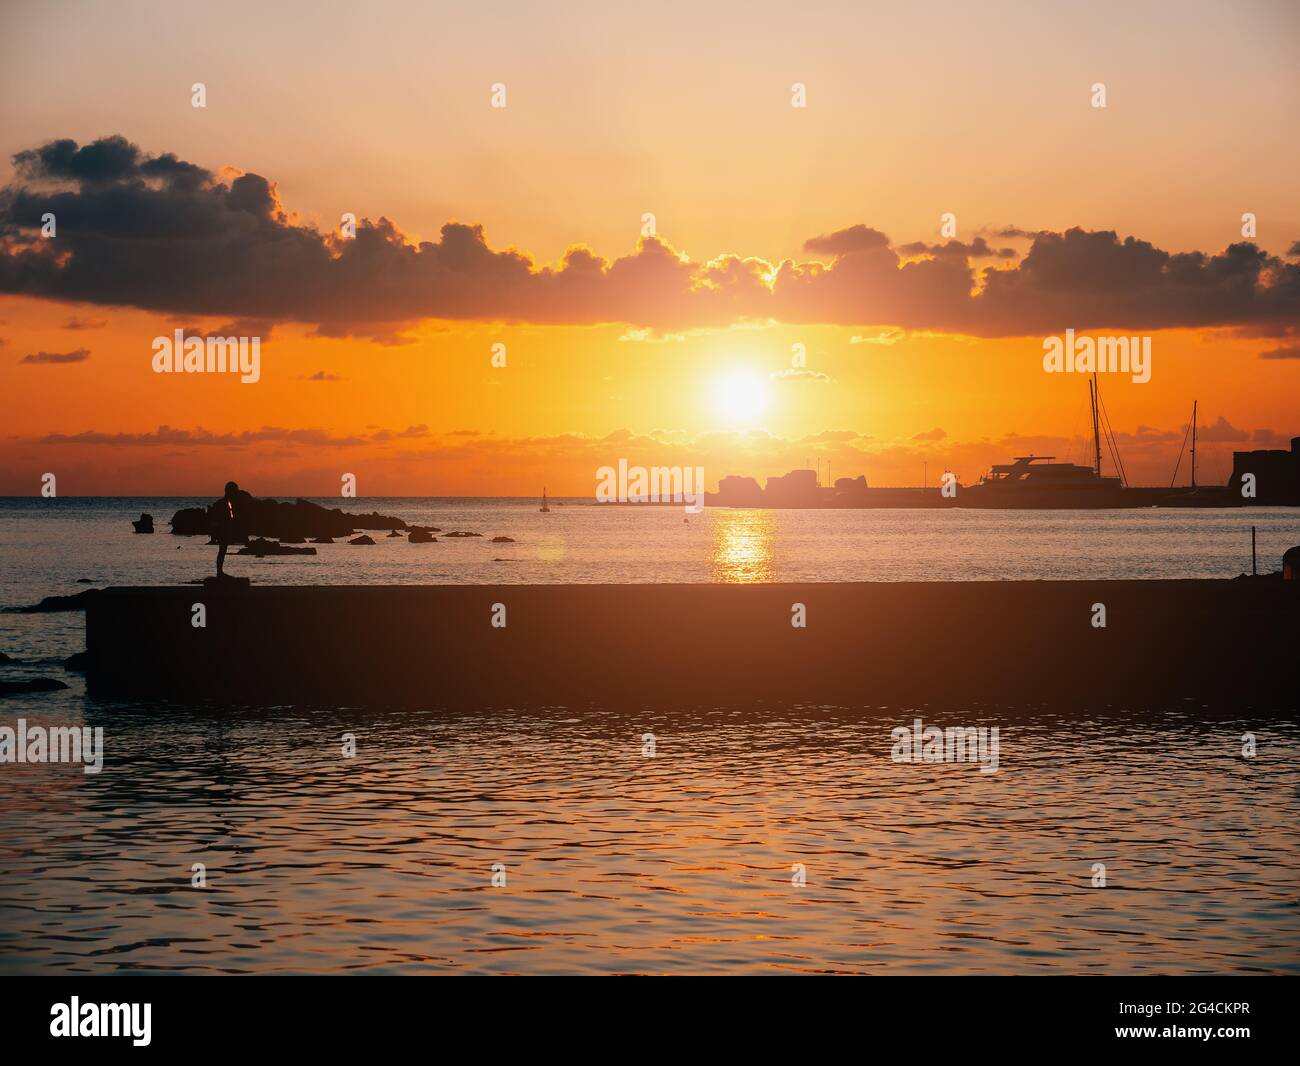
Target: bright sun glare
741,397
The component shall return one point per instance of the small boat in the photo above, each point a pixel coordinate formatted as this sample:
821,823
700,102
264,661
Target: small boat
544,509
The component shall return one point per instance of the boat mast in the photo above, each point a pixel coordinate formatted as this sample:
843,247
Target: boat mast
1193,444
1096,428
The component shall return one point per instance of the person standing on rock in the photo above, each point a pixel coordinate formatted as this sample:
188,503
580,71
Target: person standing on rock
226,515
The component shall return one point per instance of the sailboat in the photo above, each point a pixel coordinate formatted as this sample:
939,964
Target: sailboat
544,509
1193,495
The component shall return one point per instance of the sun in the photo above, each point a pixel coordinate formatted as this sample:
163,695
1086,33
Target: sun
741,397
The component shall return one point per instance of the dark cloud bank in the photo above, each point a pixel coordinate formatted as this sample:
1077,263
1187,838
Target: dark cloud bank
159,233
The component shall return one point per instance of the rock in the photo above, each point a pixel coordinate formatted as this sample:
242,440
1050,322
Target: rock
419,536
462,534
144,524
262,548
322,540
6,659
78,662
224,582
35,684
85,581
363,539
271,518
75,602
394,533
293,540
503,540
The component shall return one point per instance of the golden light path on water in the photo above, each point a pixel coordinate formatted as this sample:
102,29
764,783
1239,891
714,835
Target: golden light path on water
743,545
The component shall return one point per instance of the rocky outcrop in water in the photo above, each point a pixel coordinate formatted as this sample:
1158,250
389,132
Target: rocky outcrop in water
35,684
363,539
75,602
262,548
300,520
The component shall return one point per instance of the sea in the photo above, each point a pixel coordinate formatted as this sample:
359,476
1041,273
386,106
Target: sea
753,839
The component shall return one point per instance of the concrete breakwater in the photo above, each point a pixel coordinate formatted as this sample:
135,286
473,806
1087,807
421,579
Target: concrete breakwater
469,646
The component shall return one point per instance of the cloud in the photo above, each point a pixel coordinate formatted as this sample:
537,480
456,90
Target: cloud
1012,233
321,375
243,327
979,248
792,374
107,160
162,234
1287,351
932,434
886,338
75,323
650,336
857,238
1221,432
53,358
167,435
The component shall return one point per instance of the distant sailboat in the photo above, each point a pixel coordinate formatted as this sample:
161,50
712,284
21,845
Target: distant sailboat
544,509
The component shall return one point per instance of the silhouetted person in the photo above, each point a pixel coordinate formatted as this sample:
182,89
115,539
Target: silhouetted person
225,522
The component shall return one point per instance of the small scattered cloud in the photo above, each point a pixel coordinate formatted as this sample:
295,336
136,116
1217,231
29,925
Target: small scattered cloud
792,374
884,337
321,375
56,358
650,336
244,327
1011,233
409,433
858,238
979,248
932,434
75,323
1221,432
1287,351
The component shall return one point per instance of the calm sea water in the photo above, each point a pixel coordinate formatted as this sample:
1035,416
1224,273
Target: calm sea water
619,862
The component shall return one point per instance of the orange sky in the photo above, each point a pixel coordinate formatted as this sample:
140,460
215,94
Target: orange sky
683,113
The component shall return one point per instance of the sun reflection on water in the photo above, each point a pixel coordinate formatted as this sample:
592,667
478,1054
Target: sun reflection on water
742,545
